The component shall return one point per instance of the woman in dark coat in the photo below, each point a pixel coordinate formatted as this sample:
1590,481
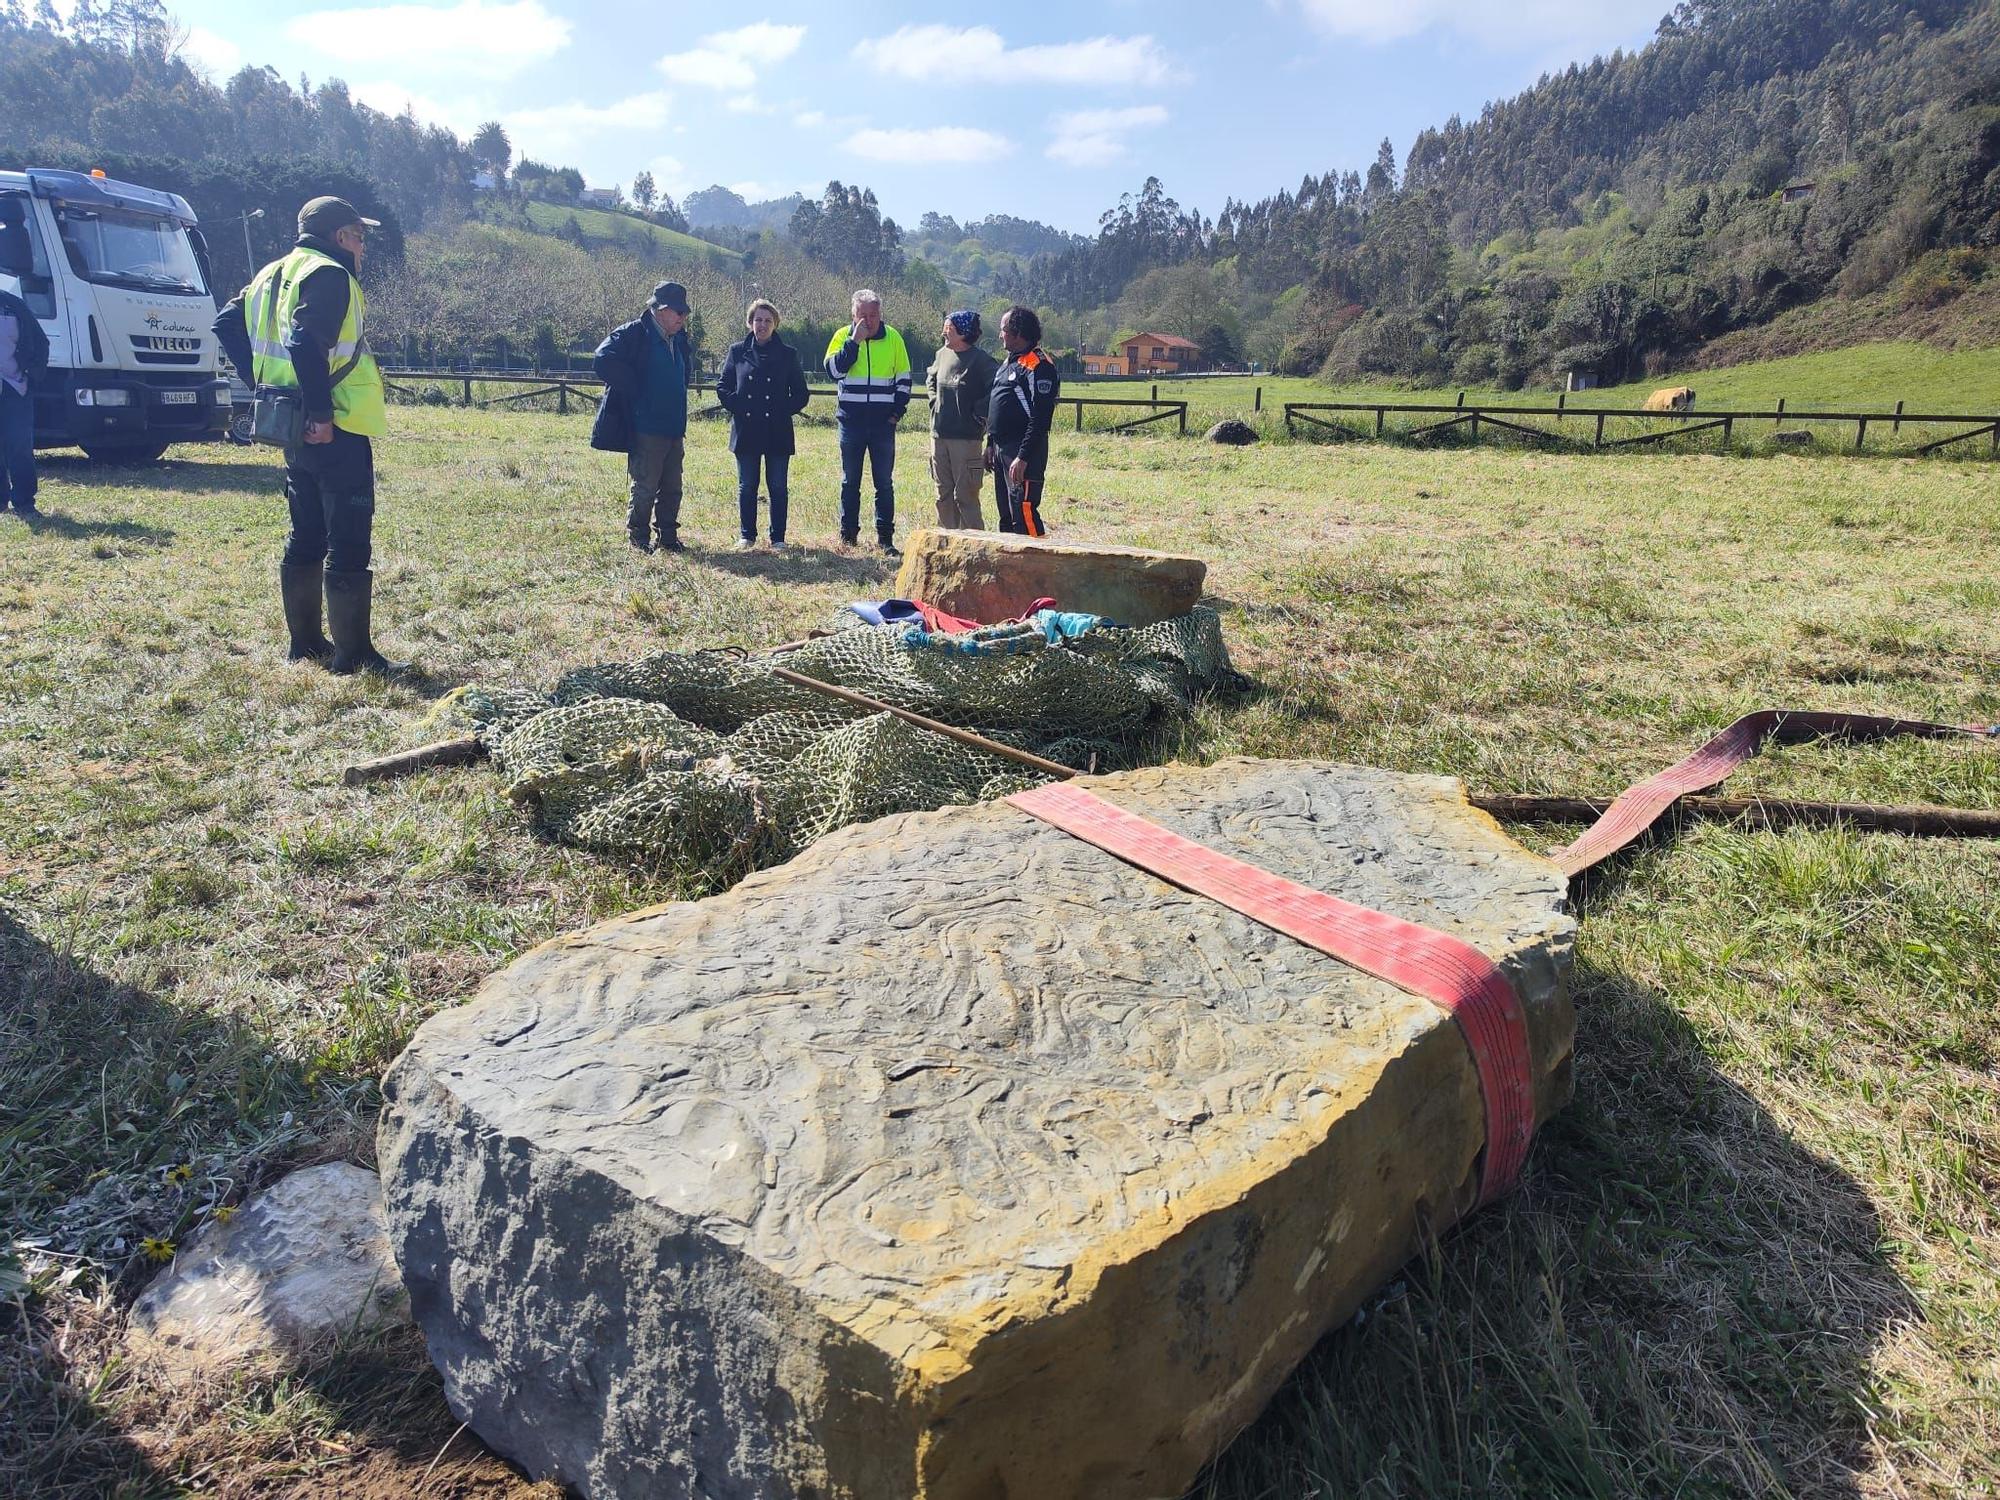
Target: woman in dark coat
762,386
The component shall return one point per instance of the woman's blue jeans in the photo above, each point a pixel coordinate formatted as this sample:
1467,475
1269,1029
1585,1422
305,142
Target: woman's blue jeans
777,473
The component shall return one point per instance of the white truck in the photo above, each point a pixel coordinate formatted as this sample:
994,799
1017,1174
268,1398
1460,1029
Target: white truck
118,277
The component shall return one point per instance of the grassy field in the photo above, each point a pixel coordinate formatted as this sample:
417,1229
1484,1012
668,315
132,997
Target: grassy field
1868,377
1760,1253
598,224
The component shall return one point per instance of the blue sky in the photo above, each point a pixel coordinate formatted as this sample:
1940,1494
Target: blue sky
1239,98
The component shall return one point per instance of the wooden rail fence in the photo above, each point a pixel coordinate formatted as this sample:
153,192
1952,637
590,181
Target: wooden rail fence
1511,419
585,388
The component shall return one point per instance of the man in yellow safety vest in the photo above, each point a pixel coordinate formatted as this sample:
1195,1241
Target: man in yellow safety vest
299,326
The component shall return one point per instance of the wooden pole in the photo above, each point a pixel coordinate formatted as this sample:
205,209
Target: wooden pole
1781,414
949,731
1768,812
459,752
1257,404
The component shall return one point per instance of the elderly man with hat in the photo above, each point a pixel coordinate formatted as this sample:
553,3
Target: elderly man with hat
298,326
646,366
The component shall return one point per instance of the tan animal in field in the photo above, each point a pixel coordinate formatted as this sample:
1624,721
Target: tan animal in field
1671,398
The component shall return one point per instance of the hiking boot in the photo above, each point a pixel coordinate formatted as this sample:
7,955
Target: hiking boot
779,544
672,544
349,601
889,548
641,543
299,584
746,544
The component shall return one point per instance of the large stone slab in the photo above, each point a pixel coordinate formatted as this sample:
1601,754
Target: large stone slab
955,1159
990,576
303,1259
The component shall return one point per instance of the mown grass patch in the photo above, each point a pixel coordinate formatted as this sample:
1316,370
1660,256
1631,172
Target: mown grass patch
1758,1255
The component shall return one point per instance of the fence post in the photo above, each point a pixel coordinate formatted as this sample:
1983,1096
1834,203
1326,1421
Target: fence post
1728,427
1562,404
1184,419
1381,417
1781,414
1860,433
1079,415
1995,433
1156,391
1898,428
1598,441
468,390
1475,420
1461,400
562,398
1258,403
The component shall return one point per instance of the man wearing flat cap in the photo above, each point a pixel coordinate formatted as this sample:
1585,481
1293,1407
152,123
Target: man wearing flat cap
298,327
646,366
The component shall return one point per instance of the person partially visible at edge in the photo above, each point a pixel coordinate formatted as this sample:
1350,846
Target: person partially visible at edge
762,386
299,326
24,357
1021,410
647,366
872,369
959,384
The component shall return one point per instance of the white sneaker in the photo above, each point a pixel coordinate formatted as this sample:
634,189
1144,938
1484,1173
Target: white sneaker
781,546
744,544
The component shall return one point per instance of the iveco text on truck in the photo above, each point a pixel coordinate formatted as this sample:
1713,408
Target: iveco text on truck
117,275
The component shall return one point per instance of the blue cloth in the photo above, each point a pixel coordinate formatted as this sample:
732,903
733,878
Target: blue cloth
661,409
879,445
777,470
17,449
888,612
1067,625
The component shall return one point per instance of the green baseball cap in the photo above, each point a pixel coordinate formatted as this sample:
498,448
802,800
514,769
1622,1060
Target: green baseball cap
326,217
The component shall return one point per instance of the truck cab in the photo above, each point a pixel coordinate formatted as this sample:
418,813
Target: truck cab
117,275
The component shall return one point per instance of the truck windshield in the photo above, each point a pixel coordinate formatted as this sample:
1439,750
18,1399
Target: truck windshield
117,247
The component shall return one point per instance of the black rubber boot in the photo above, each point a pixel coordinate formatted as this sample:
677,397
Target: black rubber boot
300,585
349,597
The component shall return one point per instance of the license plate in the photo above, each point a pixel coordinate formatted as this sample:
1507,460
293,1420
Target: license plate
177,398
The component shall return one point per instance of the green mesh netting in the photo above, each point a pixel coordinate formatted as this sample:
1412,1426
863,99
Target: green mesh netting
709,764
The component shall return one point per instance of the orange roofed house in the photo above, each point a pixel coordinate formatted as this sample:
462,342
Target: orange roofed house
1147,354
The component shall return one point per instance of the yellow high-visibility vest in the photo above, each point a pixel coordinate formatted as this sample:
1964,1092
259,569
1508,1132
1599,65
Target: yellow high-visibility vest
271,300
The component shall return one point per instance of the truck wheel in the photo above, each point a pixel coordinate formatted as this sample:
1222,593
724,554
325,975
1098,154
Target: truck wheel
142,452
242,427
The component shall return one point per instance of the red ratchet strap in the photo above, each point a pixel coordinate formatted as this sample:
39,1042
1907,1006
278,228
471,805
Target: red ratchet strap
1640,807
1452,974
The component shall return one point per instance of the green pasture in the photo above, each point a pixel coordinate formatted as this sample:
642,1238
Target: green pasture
598,224
1758,1255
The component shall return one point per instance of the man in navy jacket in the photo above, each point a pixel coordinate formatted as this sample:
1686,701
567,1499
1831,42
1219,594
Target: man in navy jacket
647,366
24,355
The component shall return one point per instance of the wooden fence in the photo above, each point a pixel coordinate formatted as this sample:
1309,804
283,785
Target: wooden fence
584,389
1512,420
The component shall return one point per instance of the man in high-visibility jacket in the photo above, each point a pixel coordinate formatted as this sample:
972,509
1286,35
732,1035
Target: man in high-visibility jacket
868,360
299,326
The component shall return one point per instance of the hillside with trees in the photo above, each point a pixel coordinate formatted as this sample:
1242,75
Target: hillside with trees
1758,157
1764,174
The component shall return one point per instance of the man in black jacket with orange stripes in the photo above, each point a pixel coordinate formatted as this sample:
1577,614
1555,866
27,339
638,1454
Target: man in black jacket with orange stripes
1018,416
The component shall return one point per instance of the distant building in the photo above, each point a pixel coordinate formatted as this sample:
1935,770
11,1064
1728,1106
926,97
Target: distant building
1797,192
1160,354
1111,363
484,182
1584,380
597,198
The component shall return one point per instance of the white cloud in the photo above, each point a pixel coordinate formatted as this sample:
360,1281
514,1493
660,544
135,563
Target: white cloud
944,143
762,192
488,38
1096,137
214,54
461,116
1524,25
810,119
748,104
919,52
552,130
730,59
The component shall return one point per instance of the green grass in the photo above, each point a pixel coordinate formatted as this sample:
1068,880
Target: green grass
1865,378
599,224
1758,1255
